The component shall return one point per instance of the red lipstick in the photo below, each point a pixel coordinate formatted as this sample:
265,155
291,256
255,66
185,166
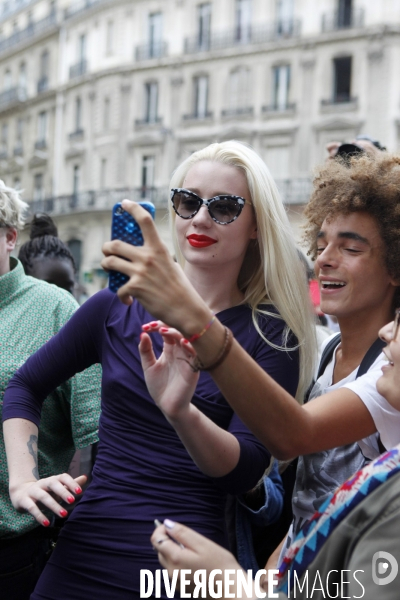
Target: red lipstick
200,241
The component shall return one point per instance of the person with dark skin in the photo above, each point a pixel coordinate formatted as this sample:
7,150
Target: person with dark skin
46,257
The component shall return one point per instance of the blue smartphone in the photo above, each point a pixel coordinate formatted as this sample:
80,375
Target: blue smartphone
125,228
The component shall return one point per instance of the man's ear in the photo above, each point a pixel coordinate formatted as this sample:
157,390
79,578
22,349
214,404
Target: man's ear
11,238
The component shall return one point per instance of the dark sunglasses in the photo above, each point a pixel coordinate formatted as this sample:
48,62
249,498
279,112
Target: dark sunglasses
223,209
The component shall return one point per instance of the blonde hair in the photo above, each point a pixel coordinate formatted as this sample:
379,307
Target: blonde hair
12,208
271,272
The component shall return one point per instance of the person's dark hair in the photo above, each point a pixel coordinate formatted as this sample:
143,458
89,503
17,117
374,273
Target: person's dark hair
44,243
368,184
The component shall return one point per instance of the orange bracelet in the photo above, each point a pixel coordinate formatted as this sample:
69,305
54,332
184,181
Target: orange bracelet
196,336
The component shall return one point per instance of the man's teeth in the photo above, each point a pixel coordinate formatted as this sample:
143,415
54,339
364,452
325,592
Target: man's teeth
328,284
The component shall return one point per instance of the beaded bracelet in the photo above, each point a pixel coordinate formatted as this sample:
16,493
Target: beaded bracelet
196,336
197,365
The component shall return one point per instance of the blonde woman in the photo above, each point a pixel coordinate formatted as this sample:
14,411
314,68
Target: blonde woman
169,458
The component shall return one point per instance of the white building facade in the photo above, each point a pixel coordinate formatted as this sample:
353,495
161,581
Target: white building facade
101,99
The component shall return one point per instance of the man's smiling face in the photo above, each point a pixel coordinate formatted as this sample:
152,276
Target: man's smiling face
350,265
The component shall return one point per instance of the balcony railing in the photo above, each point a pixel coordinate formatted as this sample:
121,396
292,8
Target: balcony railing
339,99
295,191
34,28
275,108
241,37
147,121
40,145
78,69
76,135
236,112
197,116
12,96
43,84
98,200
79,6
343,20
151,51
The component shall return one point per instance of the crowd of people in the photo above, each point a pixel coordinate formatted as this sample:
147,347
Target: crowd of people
210,387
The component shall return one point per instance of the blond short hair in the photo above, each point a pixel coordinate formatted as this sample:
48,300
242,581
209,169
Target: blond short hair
12,208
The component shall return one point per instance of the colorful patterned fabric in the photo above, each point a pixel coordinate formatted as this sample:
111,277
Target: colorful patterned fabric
309,541
31,312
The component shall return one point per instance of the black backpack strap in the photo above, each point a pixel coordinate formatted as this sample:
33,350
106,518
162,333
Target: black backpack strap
370,357
328,353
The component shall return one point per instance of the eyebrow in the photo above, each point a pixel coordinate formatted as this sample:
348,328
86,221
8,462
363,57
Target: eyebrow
347,235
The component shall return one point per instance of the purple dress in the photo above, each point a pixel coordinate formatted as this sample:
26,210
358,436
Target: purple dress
142,470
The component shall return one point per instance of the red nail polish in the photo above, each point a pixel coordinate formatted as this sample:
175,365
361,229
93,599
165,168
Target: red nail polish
145,327
70,499
164,329
154,323
63,512
46,523
78,491
185,341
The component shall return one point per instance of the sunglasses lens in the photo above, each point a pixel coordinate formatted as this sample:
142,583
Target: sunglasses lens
225,210
185,204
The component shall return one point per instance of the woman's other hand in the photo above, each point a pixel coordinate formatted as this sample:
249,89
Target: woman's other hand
49,491
198,552
170,379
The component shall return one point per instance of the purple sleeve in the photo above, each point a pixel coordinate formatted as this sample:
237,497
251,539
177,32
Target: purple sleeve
283,366
73,349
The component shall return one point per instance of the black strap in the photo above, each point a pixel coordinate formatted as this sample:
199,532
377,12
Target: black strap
328,353
371,356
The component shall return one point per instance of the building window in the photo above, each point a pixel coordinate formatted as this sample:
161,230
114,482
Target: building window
19,134
82,47
7,80
4,139
78,114
281,86
110,37
106,114
103,173
238,89
155,34
151,99
42,128
147,176
22,76
204,26
284,17
342,79
17,183
38,188
243,21
44,64
344,13
76,180
201,96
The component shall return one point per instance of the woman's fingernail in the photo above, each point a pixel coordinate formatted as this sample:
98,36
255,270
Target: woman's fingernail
70,499
78,490
169,524
145,327
153,323
164,329
63,512
185,341
46,523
